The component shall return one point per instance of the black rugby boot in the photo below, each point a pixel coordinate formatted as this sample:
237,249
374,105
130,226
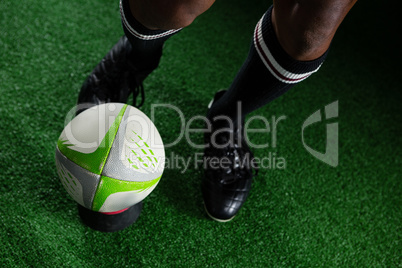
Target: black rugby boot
229,168
114,78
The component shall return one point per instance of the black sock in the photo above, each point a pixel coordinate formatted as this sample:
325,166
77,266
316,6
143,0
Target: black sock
147,44
267,73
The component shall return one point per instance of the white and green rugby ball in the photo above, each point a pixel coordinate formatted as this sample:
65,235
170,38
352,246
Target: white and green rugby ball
110,157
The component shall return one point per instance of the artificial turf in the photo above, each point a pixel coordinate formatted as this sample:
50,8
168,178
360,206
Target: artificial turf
303,215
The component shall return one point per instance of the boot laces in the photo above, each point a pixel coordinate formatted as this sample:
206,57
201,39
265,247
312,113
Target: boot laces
240,159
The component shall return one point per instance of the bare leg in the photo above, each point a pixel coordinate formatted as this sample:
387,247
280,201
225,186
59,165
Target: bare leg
168,15
306,28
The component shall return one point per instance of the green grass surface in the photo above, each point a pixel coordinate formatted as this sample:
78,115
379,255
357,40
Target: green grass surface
309,214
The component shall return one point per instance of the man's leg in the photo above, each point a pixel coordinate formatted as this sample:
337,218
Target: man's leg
290,43
147,25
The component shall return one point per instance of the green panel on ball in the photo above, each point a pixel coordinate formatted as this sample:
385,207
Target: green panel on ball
93,162
108,186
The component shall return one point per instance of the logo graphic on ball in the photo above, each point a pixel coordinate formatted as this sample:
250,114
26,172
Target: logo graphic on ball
110,157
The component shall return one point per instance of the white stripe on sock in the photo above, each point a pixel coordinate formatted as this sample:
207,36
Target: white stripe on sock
272,65
139,35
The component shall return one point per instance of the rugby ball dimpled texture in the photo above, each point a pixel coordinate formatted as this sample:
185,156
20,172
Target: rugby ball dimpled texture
110,157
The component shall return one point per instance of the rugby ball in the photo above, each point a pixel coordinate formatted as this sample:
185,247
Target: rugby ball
110,157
